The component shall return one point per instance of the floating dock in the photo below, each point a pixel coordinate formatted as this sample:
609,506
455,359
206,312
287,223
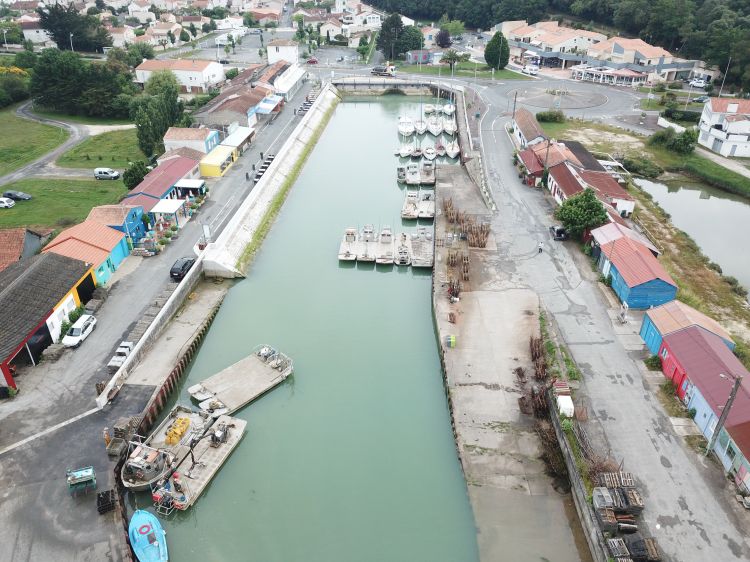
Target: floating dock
236,386
182,487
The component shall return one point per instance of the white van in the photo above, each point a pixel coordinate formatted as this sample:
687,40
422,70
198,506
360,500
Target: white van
106,174
530,69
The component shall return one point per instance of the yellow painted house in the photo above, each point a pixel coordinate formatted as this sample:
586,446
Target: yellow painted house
216,163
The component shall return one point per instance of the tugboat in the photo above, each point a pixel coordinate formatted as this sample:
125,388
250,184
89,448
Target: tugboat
148,539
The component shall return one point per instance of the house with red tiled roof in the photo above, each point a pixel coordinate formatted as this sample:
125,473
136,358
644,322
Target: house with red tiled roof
193,75
94,243
637,277
725,126
160,182
703,371
17,243
526,128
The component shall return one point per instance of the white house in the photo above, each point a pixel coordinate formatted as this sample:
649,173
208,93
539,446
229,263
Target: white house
331,28
430,37
201,139
725,126
406,21
140,9
193,75
283,49
121,36
33,32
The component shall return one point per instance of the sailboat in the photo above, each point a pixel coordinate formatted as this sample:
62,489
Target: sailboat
405,126
440,149
429,108
405,150
420,126
430,153
449,126
449,109
434,125
452,150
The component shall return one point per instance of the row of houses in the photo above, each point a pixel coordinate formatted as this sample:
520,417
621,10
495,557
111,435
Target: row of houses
592,56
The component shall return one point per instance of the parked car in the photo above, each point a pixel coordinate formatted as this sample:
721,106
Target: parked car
698,83
530,69
79,331
312,60
558,233
180,268
106,174
123,350
17,195
255,31
6,203
223,61
702,99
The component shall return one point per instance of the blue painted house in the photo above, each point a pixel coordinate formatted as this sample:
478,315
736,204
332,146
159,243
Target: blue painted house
128,219
675,316
638,278
101,246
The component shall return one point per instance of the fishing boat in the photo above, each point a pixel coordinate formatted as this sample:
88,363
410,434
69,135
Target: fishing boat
449,126
452,150
440,149
434,125
430,153
427,173
420,126
426,205
168,444
405,150
366,245
416,151
410,210
401,174
403,250
449,109
429,108
405,126
348,247
148,539
384,249
412,174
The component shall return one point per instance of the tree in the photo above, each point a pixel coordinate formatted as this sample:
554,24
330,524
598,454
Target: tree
88,33
299,19
25,59
139,51
205,28
443,39
193,30
184,36
390,31
163,43
492,51
411,38
93,11
504,52
454,28
171,37
56,81
581,213
212,25
227,48
134,174
13,32
452,57
248,20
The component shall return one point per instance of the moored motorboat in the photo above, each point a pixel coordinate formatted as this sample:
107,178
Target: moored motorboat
405,150
427,173
440,149
426,205
420,126
452,150
384,248
429,108
403,250
416,151
401,174
412,174
410,210
366,245
348,247
405,126
449,126
147,537
430,153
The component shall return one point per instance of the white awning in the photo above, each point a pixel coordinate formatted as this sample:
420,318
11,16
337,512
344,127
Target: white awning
239,136
268,104
289,79
190,184
168,206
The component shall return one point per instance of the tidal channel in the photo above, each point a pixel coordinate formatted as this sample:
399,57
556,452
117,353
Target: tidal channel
353,457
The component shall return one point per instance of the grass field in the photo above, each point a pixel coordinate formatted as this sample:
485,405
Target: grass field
111,150
655,105
82,119
465,69
58,203
24,141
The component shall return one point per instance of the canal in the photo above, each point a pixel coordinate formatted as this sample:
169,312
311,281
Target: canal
353,457
715,219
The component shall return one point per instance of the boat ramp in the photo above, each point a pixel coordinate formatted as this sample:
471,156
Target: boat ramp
236,386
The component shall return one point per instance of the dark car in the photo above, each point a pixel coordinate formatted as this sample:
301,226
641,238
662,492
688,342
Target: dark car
558,233
223,61
180,268
702,99
17,195
312,60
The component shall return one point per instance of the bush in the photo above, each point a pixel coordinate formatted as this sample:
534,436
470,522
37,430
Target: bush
660,87
232,73
653,363
682,115
553,116
642,166
681,143
674,86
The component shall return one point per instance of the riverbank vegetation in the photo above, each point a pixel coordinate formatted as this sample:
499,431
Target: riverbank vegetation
38,139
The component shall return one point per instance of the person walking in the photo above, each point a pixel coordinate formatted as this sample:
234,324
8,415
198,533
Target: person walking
541,247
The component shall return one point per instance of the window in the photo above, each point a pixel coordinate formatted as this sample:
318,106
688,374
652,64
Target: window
664,353
731,451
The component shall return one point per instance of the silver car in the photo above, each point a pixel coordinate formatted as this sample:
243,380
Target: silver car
6,203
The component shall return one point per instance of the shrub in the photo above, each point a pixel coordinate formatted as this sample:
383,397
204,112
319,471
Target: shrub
691,413
681,143
674,86
552,116
642,166
682,115
168,234
653,363
660,87
173,228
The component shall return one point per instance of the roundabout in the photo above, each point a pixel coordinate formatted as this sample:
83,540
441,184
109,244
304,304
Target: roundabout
559,97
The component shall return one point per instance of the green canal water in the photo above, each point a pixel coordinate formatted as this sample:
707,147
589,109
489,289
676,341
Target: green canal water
353,458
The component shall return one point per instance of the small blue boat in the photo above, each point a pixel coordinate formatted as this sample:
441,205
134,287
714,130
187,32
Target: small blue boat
148,539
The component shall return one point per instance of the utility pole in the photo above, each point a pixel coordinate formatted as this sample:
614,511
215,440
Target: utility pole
5,38
722,80
515,97
71,43
724,413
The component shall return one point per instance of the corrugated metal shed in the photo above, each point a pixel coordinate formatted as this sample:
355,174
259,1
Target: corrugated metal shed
635,262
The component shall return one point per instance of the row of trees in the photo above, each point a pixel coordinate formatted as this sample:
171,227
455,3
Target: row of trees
73,31
395,39
710,30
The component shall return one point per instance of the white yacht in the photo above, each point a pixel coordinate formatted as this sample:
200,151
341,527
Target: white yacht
420,126
452,150
366,244
430,153
405,150
449,109
434,125
348,247
449,126
384,248
427,173
402,255
405,126
410,210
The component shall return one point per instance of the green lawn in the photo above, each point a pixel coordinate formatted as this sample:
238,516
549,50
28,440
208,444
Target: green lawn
655,105
23,141
465,69
82,119
58,203
110,150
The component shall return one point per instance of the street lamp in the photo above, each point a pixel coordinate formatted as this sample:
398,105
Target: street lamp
5,38
725,413
71,43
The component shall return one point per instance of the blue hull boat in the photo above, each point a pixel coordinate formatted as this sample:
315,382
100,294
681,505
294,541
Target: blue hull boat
148,539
